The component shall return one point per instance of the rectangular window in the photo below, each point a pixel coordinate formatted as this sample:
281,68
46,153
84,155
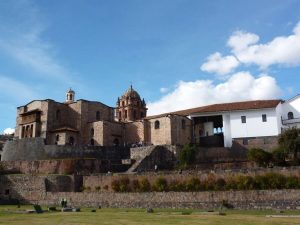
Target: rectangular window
243,118
245,141
264,117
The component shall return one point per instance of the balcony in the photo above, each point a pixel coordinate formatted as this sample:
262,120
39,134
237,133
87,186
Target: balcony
291,121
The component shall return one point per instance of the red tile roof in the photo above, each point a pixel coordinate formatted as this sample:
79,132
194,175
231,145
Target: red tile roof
224,107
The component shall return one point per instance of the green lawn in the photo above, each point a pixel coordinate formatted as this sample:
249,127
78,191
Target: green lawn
8,215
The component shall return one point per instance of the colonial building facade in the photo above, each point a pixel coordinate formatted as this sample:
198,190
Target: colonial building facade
82,122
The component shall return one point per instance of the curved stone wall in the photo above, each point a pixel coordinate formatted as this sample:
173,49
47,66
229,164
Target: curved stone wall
35,149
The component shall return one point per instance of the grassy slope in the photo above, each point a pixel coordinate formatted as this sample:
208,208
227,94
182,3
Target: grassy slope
139,216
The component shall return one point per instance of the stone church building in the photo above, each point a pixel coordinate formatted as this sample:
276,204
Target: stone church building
82,122
88,123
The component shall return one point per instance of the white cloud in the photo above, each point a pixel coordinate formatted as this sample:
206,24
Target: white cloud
218,64
163,90
282,50
240,40
239,87
9,131
246,49
22,39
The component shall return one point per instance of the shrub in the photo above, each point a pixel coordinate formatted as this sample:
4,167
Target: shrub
220,184
145,185
105,187
245,183
261,157
289,141
292,182
193,184
279,156
209,182
160,184
115,185
98,188
135,185
121,185
187,155
176,185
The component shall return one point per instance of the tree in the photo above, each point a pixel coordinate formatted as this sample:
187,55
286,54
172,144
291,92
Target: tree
289,142
261,157
187,155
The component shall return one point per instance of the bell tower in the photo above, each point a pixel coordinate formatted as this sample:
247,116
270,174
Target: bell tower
70,96
130,106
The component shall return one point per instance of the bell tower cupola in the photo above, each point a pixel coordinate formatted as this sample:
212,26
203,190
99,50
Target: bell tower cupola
130,106
70,96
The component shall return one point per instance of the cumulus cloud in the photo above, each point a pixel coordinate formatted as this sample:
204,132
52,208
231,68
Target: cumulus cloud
241,86
240,40
247,50
9,131
218,64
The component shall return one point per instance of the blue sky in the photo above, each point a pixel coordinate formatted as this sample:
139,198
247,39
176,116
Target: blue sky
177,53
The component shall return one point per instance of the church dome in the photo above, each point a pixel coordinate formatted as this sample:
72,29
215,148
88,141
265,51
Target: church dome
131,93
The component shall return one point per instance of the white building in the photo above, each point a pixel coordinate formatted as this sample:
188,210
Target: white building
250,123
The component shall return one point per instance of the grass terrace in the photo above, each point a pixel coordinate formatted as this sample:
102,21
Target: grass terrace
16,216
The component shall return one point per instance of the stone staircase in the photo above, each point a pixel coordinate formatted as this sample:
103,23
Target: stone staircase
139,154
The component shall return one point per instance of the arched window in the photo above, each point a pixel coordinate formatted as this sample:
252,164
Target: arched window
156,124
125,113
71,140
57,115
134,114
97,115
92,142
92,132
120,115
290,115
183,124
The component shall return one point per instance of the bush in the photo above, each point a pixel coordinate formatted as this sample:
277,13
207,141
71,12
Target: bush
279,156
121,185
187,155
245,183
135,185
289,141
98,188
210,182
220,184
292,182
105,187
261,157
193,184
160,184
176,185
145,185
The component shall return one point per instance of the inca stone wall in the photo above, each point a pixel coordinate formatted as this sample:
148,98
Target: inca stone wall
35,149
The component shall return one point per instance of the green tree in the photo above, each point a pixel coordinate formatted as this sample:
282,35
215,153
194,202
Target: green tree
187,155
289,141
261,157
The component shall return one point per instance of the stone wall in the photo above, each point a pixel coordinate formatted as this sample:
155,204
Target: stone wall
135,132
35,149
49,189
266,143
277,199
62,166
